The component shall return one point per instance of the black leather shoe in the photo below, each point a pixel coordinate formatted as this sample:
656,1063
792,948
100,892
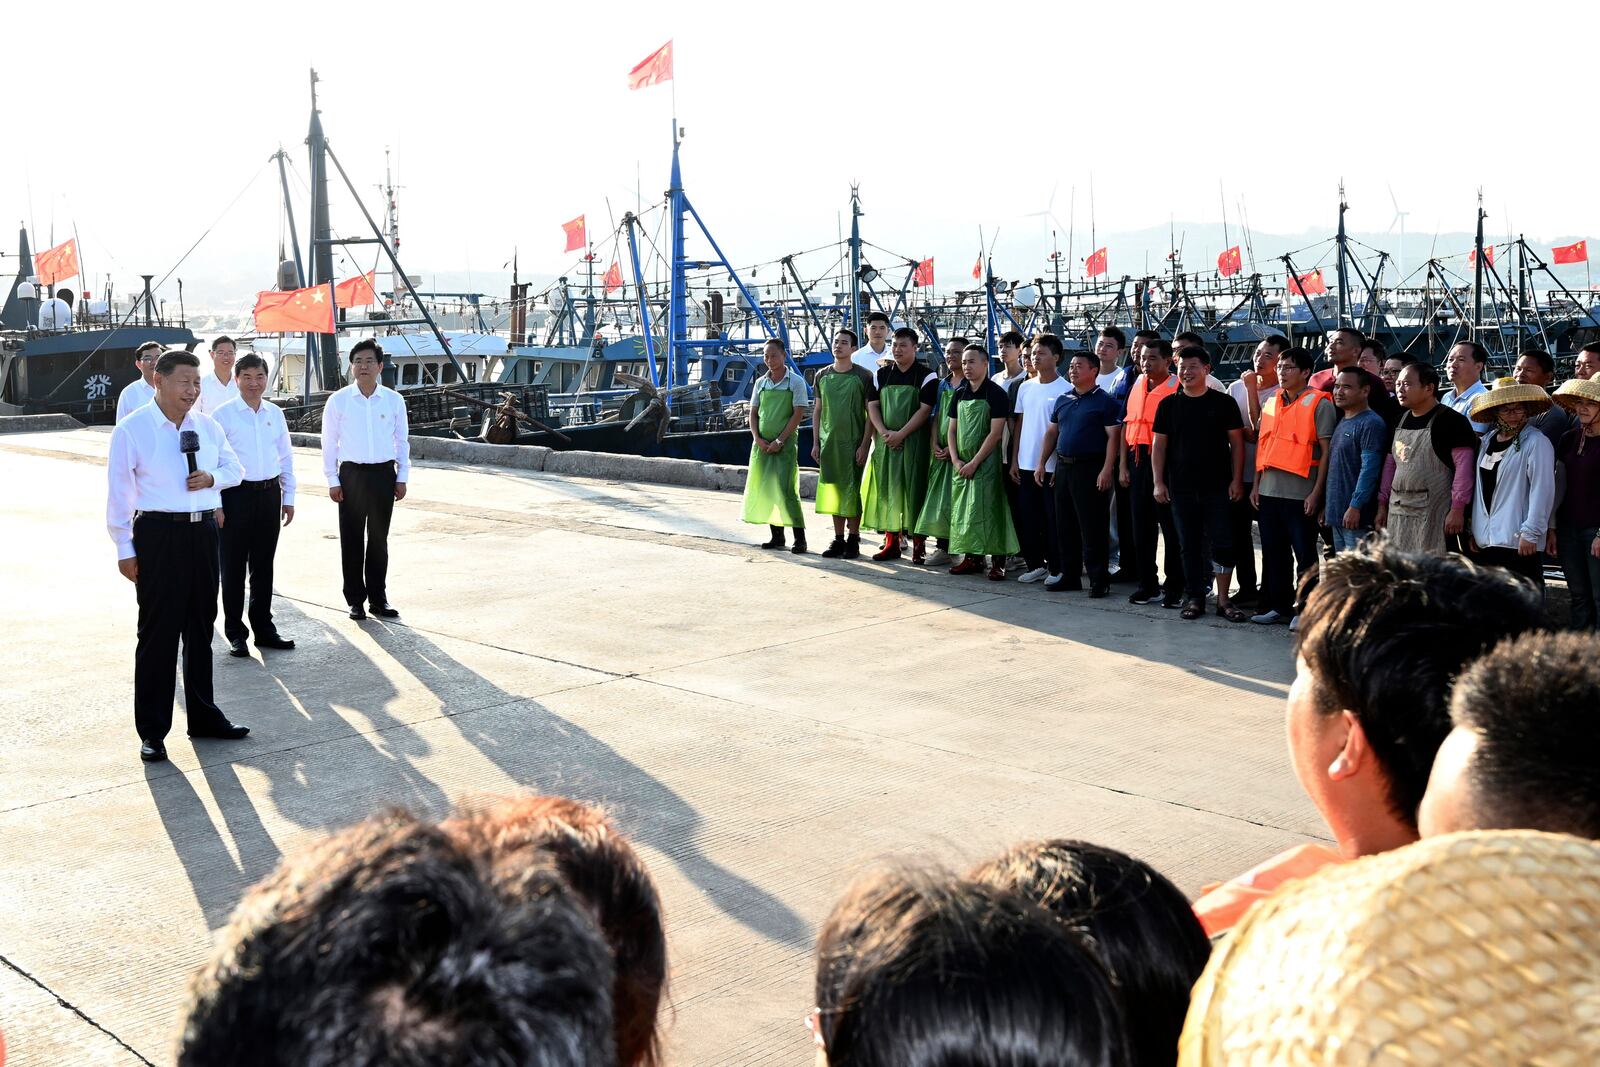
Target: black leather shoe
152,751
236,648
1099,592
275,641
356,612
223,731
383,611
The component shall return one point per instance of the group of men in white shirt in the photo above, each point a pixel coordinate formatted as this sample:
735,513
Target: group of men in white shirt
201,481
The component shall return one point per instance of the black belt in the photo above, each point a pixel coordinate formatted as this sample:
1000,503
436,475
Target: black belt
264,483
175,516
389,463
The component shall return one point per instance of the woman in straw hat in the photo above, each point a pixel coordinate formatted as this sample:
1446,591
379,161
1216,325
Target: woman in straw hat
1578,518
1479,949
1516,481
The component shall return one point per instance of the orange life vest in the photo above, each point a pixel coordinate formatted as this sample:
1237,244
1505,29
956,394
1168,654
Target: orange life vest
1287,439
1142,404
1223,904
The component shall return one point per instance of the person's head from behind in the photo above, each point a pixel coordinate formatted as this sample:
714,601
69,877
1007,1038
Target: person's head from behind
387,943
1382,638
1140,924
1525,750
601,868
177,379
925,968
1417,387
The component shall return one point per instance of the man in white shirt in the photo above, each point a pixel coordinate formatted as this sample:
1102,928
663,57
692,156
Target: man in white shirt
1464,364
253,509
55,313
1036,400
366,456
218,387
1108,349
168,467
139,392
871,355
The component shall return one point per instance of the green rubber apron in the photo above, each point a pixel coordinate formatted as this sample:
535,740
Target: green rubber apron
934,518
980,520
844,423
772,489
896,478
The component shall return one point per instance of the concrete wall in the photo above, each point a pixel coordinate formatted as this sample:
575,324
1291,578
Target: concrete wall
38,423
608,465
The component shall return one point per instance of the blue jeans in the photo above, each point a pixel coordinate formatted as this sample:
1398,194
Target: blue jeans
1288,551
1583,574
1346,540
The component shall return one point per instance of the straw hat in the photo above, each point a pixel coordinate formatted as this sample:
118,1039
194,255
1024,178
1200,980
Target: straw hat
1479,949
1507,391
1577,389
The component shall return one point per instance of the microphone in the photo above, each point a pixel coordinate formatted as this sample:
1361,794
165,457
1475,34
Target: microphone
189,444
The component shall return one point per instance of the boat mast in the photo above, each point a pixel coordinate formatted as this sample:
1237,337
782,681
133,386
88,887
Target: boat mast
393,220
854,311
1477,275
677,304
321,244
1344,276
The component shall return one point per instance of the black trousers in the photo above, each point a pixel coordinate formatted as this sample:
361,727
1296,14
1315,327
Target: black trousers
1288,552
1243,514
1529,567
1083,520
1205,534
1036,532
249,542
177,593
364,515
1149,520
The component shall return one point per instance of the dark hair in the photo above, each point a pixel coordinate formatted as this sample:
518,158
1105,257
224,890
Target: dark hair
1541,357
606,874
367,344
1592,346
877,316
173,358
1139,924
1050,342
1147,335
1426,372
777,341
386,943
959,340
1161,346
224,340
1195,352
1373,345
1278,341
1300,357
1361,338
975,348
1385,632
1115,333
855,342
250,361
925,968
142,349
1534,702
906,333
1363,377
1480,354
1087,356
1012,337
1188,338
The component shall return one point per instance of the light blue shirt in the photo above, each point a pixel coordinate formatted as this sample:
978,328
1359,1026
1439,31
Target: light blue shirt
791,381
1462,402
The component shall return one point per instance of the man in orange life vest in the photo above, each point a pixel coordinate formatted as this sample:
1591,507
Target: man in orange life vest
1296,429
1385,633
1137,475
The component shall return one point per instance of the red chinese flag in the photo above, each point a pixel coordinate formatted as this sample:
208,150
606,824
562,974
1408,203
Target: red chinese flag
923,275
296,311
54,264
654,70
577,236
1309,284
1228,264
356,292
614,277
1488,255
1095,264
977,267
1578,253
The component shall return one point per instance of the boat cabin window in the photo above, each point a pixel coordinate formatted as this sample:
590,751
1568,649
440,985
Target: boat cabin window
591,378
430,374
448,370
408,374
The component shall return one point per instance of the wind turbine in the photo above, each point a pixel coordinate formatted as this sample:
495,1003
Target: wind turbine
1400,218
1053,225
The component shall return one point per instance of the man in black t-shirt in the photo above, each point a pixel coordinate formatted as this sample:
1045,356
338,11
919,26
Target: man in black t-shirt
1198,455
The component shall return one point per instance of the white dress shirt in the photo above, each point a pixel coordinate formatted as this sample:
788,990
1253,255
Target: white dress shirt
148,472
365,429
213,394
135,395
260,438
865,358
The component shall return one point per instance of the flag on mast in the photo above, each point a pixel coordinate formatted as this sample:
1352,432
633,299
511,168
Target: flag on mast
977,267
58,263
923,275
653,69
1095,264
1308,284
577,237
613,280
1574,253
296,311
1229,263
356,292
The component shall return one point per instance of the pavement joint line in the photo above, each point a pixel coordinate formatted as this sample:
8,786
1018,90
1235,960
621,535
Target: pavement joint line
62,1002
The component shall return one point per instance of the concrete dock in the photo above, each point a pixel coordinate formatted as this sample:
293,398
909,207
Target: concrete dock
764,726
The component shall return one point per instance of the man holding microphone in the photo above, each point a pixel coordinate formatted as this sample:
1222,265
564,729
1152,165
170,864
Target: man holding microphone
168,467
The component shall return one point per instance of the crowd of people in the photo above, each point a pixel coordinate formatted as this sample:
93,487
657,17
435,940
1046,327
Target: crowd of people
1140,466
1448,743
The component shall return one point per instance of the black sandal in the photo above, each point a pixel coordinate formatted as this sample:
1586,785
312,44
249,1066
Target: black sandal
1192,609
1233,614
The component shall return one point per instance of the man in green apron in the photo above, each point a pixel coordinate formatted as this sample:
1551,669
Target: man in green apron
934,518
904,394
842,437
1426,485
778,401
980,519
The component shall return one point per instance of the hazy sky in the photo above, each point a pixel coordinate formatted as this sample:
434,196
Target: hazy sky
506,120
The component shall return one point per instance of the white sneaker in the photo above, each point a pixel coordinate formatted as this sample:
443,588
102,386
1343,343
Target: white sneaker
937,558
1034,575
1054,580
1267,618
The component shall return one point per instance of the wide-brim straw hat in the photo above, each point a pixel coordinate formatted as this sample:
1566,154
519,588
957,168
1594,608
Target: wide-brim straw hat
1507,391
1479,949
1577,389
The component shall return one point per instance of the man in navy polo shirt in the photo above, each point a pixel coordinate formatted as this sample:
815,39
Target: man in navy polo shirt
1085,434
